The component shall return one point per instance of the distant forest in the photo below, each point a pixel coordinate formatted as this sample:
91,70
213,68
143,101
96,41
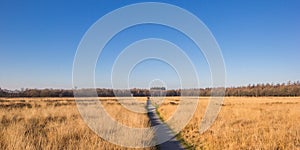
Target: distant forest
255,90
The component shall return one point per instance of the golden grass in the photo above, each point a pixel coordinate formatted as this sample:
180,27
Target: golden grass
244,123
55,123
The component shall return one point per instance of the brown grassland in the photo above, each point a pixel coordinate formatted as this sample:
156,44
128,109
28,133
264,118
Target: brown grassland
55,123
243,123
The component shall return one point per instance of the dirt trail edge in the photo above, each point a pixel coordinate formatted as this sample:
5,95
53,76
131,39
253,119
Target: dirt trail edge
162,133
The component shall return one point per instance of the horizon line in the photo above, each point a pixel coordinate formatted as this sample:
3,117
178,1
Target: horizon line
232,86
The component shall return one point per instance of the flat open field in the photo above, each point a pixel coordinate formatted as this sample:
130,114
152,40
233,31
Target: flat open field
55,123
243,123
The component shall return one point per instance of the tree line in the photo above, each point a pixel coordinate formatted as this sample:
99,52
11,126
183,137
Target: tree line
254,90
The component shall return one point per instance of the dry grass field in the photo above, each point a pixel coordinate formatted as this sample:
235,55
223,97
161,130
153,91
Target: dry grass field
55,123
244,123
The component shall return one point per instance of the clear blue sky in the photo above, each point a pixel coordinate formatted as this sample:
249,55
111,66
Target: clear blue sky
260,41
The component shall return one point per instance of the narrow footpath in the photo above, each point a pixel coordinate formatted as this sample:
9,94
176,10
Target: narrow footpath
163,132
